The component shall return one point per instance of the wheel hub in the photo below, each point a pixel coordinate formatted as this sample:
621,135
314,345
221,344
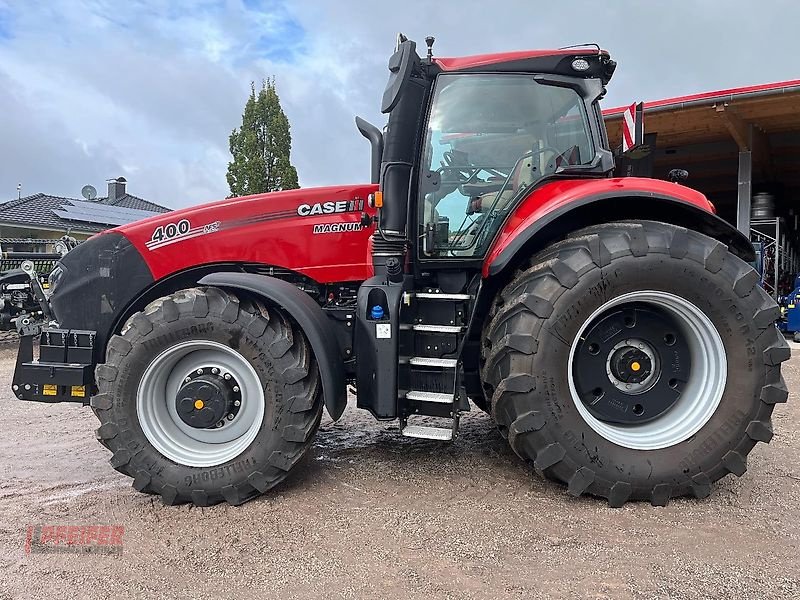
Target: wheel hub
618,365
630,365
208,399
633,366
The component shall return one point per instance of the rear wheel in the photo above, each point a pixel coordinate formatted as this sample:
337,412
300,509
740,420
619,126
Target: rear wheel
204,399
635,361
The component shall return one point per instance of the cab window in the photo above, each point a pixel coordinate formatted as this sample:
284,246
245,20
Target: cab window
489,138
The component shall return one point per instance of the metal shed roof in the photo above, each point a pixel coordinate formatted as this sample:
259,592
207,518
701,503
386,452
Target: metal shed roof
717,115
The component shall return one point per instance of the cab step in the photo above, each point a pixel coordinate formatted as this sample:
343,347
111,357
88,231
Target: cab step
424,361
435,296
435,328
428,433
435,397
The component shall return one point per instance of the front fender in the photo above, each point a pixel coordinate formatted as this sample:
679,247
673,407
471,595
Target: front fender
311,319
556,208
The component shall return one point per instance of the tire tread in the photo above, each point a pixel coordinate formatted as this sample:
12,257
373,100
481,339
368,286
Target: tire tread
529,300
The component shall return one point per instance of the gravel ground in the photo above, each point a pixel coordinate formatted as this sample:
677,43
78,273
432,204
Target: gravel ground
371,514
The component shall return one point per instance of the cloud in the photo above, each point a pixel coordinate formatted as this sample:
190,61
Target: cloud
93,89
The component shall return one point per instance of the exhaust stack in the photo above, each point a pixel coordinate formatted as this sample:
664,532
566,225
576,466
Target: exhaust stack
375,137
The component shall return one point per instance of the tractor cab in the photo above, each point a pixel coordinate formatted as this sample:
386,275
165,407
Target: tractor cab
467,137
490,137
466,140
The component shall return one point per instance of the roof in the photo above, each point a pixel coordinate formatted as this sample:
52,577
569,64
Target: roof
596,62
37,211
482,60
713,116
778,87
5,241
131,201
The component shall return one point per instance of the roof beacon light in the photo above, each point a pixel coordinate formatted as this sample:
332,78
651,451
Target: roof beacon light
580,64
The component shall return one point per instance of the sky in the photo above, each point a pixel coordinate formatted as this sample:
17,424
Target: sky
151,90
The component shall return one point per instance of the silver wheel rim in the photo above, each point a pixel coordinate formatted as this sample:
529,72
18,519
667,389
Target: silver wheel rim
166,431
703,391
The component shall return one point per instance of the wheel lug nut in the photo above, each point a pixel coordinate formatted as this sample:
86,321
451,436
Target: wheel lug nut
221,423
236,403
227,375
230,417
187,380
199,371
236,388
215,370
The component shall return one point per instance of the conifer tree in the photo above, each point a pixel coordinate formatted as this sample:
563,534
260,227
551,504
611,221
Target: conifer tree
261,147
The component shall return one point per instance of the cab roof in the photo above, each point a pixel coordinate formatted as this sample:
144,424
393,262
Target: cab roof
558,61
482,60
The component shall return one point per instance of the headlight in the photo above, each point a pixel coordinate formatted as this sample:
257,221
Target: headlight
580,64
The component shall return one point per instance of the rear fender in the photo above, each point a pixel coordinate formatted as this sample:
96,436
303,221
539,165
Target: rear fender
553,210
311,319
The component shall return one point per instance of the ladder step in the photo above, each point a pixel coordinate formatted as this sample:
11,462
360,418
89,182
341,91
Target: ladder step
428,433
422,361
440,296
435,328
430,397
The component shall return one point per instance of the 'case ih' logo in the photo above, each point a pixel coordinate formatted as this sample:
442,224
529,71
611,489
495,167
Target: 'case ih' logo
330,208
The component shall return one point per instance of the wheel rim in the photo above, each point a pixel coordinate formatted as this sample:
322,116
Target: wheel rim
163,426
699,395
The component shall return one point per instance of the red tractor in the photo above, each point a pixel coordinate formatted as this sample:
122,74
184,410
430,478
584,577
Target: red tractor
612,327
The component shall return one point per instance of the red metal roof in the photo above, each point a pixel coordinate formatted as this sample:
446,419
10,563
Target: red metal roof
710,96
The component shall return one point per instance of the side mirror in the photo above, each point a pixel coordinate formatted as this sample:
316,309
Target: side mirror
401,65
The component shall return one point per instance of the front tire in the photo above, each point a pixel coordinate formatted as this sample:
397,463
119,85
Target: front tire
203,398
565,330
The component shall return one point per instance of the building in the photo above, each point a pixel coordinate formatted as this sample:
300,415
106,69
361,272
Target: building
741,148
33,223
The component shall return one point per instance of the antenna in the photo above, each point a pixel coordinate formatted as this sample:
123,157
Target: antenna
19,190
89,192
429,41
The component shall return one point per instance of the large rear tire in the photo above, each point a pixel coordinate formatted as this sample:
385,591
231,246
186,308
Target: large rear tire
672,304
204,399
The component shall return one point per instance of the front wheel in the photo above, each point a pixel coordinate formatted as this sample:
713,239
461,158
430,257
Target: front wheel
635,361
203,398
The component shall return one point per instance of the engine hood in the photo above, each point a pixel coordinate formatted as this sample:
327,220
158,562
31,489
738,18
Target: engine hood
317,232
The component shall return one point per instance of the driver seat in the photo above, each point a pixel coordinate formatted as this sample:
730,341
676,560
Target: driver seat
521,177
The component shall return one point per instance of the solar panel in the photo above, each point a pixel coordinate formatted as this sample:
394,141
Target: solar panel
104,209
92,212
87,218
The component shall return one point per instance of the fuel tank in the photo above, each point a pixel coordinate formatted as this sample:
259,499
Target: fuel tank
316,231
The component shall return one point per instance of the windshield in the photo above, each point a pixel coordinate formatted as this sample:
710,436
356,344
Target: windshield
489,138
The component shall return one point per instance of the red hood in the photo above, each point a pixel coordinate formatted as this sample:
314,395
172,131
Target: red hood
314,231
